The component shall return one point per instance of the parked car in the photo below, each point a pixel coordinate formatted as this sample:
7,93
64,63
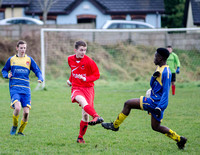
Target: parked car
124,24
20,20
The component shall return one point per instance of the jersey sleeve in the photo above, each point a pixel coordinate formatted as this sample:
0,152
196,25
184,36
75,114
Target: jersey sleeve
68,60
177,60
6,69
166,87
36,69
95,75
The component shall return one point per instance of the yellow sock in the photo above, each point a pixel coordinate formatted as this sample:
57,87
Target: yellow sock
15,120
22,126
121,117
173,135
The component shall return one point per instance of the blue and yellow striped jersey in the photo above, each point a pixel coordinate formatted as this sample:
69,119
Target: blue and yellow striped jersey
20,68
161,86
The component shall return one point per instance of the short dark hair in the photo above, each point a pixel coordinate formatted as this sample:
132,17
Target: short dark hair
21,42
163,52
80,43
169,46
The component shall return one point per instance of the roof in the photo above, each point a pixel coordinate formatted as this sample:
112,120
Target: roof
196,11
6,3
105,6
195,4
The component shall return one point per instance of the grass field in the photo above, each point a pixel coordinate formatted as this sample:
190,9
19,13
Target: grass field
54,122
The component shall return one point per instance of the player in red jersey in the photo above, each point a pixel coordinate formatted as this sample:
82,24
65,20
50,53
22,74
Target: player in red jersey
84,72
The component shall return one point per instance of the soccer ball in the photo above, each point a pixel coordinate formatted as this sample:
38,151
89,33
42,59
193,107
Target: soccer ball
148,93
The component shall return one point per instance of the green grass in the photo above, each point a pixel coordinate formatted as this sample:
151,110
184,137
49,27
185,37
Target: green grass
54,122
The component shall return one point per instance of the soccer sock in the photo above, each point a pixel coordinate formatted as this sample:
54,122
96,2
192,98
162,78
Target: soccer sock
22,126
83,128
173,135
90,111
121,117
173,89
15,120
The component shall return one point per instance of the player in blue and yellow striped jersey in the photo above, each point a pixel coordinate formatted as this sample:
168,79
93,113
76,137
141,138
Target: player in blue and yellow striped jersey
156,103
19,66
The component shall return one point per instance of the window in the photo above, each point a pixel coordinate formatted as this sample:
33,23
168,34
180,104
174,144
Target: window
113,26
127,26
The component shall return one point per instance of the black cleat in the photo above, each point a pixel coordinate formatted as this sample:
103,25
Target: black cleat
109,126
96,120
182,143
21,134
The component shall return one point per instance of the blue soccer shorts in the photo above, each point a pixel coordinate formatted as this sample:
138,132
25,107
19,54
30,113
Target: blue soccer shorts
149,105
24,99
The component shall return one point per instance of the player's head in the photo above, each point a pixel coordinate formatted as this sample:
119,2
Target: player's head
80,48
21,48
169,48
161,56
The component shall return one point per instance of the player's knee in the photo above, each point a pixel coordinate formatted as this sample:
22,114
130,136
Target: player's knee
17,109
155,128
26,115
85,118
127,105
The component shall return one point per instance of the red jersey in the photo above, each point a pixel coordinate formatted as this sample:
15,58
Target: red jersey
85,67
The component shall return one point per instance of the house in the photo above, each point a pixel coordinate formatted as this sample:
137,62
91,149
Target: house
88,11
192,13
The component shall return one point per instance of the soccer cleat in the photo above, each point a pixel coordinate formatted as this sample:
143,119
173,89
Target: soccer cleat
80,140
182,143
109,126
96,120
13,130
21,134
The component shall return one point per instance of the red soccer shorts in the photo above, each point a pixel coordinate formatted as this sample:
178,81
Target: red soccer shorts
86,92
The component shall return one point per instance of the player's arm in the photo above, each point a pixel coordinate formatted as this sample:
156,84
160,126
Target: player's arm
6,69
36,70
166,86
177,64
154,76
69,82
95,75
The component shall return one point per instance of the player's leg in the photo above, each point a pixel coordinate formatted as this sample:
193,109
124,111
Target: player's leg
24,120
17,107
156,126
83,127
173,83
128,105
89,109
26,104
84,104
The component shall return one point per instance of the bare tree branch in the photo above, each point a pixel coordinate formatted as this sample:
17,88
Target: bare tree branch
45,7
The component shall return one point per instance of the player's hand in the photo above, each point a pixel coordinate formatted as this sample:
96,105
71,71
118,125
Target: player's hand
156,74
178,70
39,81
81,77
158,112
10,75
69,83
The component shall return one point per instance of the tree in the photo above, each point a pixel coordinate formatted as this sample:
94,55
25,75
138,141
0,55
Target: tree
174,13
46,6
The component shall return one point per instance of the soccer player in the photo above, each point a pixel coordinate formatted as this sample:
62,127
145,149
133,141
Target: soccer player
156,103
19,66
84,72
174,65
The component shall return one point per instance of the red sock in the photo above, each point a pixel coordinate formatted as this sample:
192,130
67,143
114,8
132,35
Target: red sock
90,111
173,89
83,128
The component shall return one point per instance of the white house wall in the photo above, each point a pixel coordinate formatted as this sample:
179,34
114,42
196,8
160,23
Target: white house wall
154,20
84,8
